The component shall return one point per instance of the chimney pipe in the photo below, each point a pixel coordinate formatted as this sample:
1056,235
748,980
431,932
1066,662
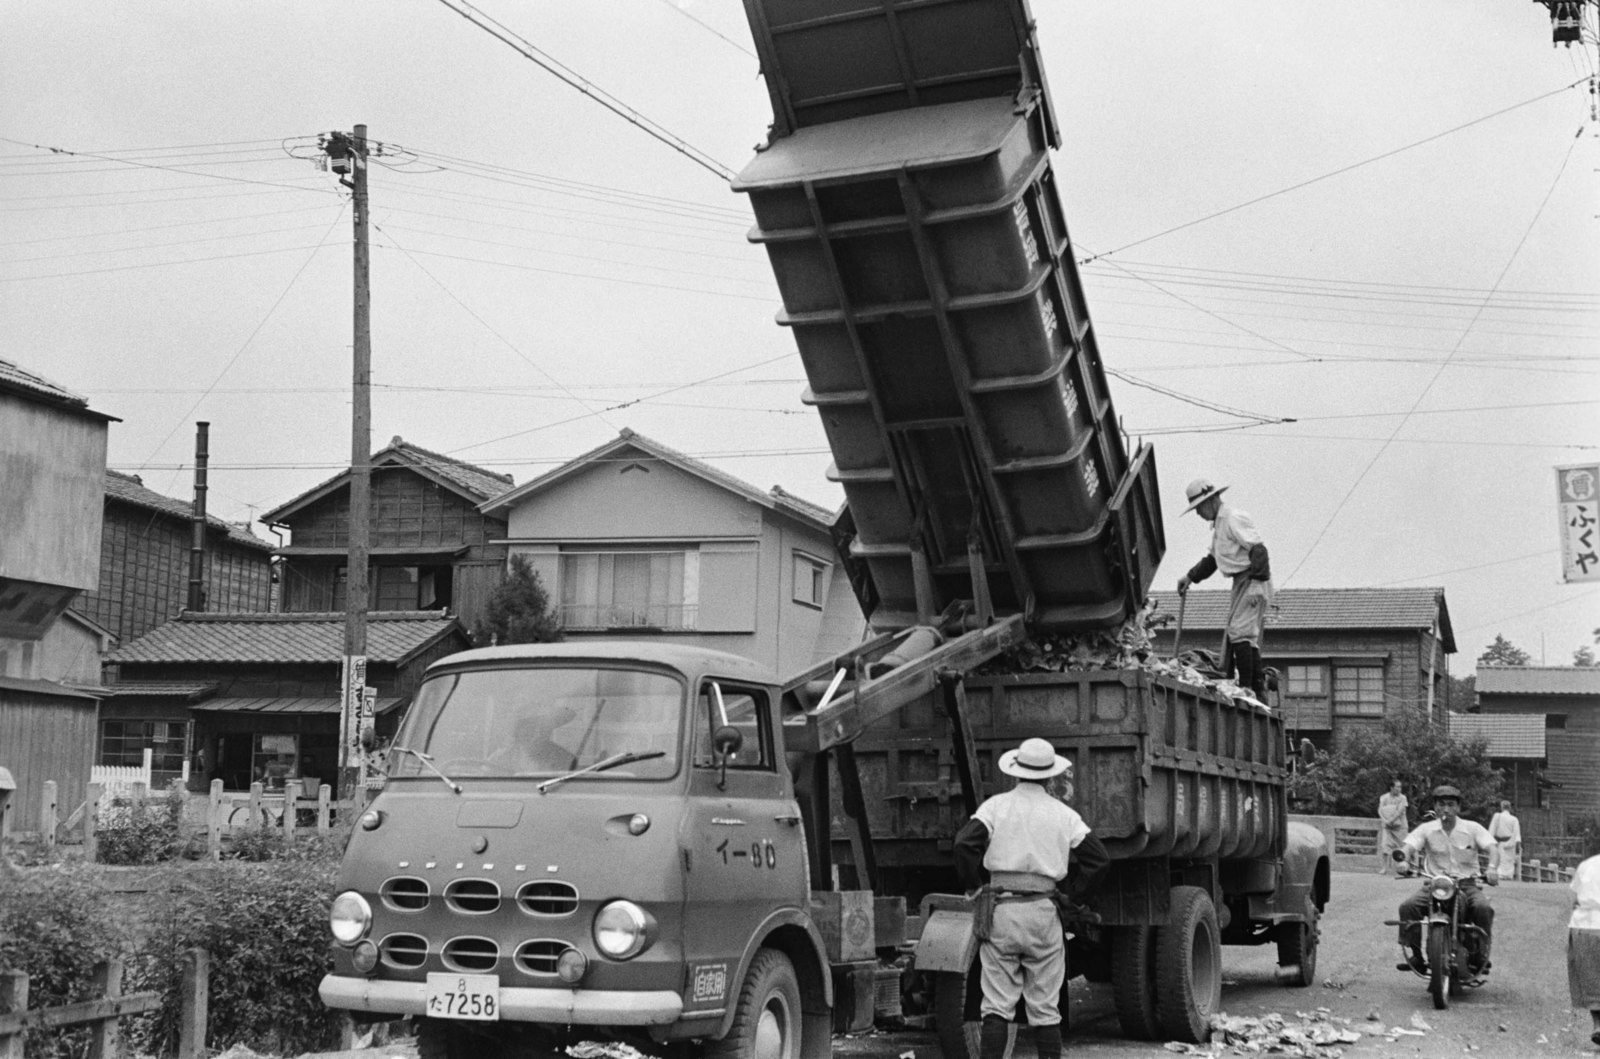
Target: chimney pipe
197,549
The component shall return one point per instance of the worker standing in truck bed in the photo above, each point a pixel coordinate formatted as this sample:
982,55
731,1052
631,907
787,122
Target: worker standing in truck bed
1016,850
1237,550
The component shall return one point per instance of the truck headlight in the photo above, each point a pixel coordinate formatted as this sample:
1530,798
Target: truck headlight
349,918
622,930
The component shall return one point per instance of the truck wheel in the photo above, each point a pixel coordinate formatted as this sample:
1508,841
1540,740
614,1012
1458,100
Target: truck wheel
1188,967
766,1024
957,1015
1133,982
1297,946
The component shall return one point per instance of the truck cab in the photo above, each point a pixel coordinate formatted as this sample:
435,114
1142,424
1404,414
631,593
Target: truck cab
586,841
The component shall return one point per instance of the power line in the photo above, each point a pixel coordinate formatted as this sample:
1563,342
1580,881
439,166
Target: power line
1510,260
570,77
709,28
1329,175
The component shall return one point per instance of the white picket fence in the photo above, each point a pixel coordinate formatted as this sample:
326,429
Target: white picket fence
120,781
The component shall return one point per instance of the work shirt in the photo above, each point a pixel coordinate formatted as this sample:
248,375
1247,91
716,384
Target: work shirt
1030,832
1586,891
1454,852
1232,534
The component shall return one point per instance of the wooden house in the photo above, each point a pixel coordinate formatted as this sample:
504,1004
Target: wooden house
246,688
1568,700
431,548
636,539
144,562
1346,657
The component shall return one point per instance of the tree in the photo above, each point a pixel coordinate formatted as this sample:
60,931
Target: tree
1504,653
519,611
1584,657
1461,692
1349,780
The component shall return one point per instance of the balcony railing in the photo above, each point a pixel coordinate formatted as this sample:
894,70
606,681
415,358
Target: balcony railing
628,616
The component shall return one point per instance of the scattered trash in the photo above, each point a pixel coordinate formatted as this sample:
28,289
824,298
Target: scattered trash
1419,1022
1313,1035
1504,1028
908,1055
1542,1039
604,1050
1373,1016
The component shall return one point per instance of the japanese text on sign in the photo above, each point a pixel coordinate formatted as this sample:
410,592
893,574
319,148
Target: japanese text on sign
1578,502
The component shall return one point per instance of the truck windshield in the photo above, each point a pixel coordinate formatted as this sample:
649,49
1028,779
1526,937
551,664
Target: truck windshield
543,722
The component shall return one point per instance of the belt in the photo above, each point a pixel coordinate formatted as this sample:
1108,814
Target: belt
1006,896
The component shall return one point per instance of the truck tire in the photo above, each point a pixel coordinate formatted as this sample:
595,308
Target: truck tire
956,1015
1297,946
1133,981
1188,967
766,1022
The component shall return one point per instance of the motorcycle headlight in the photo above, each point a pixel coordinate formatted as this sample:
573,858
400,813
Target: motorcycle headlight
349,918
1443,887
622,930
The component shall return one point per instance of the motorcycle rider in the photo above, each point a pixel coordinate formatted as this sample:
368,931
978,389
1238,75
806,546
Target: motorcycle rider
1449,845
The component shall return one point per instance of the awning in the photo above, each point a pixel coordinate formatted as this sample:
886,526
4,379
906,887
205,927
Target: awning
312,551
286,704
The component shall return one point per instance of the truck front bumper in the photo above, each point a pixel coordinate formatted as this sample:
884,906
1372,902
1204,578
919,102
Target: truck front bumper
578,1007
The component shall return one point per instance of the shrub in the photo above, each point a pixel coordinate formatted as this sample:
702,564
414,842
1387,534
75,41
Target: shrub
1349,781
54,929
265,926
143,832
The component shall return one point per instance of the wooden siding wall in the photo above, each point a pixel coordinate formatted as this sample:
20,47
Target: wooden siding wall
408,511
43,737
144,572
1572,754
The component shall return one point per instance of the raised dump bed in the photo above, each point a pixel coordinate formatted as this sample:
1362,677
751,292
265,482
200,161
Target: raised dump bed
921,253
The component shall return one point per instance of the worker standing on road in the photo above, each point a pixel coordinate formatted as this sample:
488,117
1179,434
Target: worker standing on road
1236,550
1020,850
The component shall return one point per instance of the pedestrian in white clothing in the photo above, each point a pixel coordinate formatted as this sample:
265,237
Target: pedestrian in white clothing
1506,830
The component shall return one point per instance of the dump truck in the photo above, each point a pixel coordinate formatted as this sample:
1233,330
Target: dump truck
669,846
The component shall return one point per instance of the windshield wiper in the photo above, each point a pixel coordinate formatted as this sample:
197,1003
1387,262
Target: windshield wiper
626,757
427,759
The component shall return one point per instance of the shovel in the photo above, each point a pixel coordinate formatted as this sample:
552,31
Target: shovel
1177,637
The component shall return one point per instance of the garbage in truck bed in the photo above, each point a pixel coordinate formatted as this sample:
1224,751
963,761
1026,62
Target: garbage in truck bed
1130,645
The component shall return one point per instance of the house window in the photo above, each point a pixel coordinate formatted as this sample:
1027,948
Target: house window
394,588
1358,690
123,743
1305,680
274,758
625,589
810,580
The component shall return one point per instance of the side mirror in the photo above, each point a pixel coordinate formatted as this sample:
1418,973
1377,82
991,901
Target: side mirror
727,740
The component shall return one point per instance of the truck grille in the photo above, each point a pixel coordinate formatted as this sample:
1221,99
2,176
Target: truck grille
548,898
404,893
404,951
471,954
539,957
473,897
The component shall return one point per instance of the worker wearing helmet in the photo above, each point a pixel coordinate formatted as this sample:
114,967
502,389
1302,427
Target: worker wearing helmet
1449,845
1237,550
1015,852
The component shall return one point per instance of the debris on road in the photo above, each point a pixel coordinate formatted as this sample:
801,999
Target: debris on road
604,1050
1310,1035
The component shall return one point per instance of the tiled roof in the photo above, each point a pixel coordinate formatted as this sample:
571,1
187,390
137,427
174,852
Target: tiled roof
1538,680
288,704
1324,608
130,489
471,481
13,377
181,689
1509,734
778,499
392,636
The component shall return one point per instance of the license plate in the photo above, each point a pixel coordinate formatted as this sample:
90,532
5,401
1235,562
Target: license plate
464,996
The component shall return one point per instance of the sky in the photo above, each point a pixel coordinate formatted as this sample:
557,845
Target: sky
1375,219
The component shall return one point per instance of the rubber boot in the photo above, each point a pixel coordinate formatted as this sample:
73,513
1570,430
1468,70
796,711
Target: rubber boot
992,1038
1047,1041
1258,680
1244,659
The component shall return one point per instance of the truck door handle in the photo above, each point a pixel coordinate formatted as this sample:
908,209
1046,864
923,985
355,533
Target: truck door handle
788,818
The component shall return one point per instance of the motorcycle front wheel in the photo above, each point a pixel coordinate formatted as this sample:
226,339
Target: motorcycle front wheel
1439,964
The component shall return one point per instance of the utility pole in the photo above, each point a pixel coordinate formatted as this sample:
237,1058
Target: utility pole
347,154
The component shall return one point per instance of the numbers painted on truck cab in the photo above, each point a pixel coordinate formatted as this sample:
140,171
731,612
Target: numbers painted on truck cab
762,854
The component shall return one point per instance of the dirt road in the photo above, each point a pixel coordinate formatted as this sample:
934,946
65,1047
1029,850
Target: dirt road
1522,1011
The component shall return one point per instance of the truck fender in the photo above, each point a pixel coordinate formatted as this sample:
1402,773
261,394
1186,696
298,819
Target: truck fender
792,932
947,942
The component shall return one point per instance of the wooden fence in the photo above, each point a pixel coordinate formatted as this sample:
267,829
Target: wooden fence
226,814
103,1013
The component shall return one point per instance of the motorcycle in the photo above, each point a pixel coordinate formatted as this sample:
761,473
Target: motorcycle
1454,951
